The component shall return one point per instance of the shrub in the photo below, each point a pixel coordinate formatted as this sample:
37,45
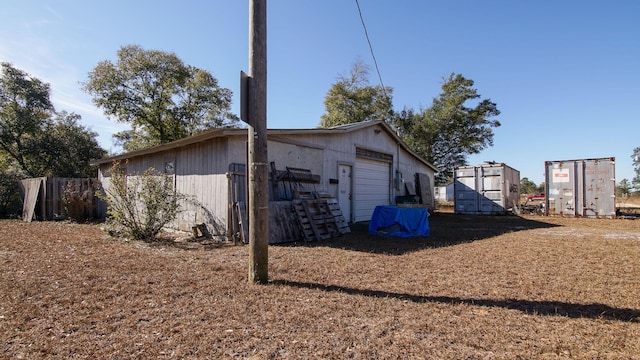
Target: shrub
10,201
78,204
140,205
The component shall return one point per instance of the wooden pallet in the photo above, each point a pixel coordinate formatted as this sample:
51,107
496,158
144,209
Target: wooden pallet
316,220
334,208
319,215
303,194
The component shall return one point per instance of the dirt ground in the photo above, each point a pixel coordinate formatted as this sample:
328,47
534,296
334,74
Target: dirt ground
479,287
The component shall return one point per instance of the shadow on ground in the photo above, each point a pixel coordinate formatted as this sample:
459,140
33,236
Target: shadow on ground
446,229
542,308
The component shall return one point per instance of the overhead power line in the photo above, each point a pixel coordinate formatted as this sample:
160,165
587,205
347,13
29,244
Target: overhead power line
375,62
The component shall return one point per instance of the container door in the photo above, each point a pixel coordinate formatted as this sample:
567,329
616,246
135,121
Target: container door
491,196
561,192
465,191
599,184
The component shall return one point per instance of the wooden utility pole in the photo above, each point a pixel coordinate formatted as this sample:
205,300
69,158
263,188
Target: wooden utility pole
257,119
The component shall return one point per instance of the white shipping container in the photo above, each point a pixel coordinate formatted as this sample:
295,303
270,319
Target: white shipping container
487,189
581,188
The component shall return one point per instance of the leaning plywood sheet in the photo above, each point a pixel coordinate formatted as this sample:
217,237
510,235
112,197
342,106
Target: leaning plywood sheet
411,190
283,226
424,190
31,191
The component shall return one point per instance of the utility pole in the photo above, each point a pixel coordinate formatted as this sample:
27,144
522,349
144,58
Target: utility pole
257,119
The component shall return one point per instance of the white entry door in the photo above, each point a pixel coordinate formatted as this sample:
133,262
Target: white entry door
344,191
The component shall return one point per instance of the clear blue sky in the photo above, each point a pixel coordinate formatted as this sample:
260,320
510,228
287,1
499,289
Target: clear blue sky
565,74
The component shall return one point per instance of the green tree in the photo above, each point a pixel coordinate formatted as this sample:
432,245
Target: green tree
623,189
450,129
70,147
25,109
527,186
34,139
159,96
351,99
10,202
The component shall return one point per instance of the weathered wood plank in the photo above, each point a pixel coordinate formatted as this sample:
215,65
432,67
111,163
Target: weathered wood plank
282,224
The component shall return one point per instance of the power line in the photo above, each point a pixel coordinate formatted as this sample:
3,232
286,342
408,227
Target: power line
375,62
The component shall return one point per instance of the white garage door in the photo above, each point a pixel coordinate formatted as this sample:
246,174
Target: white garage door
371,187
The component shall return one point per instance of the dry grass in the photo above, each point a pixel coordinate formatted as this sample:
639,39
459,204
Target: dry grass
478,288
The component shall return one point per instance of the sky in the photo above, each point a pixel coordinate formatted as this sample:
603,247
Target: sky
564,74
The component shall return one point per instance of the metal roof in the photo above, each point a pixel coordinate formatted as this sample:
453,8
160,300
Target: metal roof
224,132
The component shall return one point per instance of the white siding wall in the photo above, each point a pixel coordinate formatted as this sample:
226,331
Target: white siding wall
341,148
201,176
200,168
297,156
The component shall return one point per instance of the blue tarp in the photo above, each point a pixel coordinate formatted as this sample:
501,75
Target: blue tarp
401,222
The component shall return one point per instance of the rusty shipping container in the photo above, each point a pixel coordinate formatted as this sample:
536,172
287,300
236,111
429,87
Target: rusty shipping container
581,188
487,189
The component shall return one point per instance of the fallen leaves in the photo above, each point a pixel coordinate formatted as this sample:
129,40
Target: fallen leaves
510,287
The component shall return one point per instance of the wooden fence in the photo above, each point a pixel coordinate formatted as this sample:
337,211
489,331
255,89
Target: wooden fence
44,198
